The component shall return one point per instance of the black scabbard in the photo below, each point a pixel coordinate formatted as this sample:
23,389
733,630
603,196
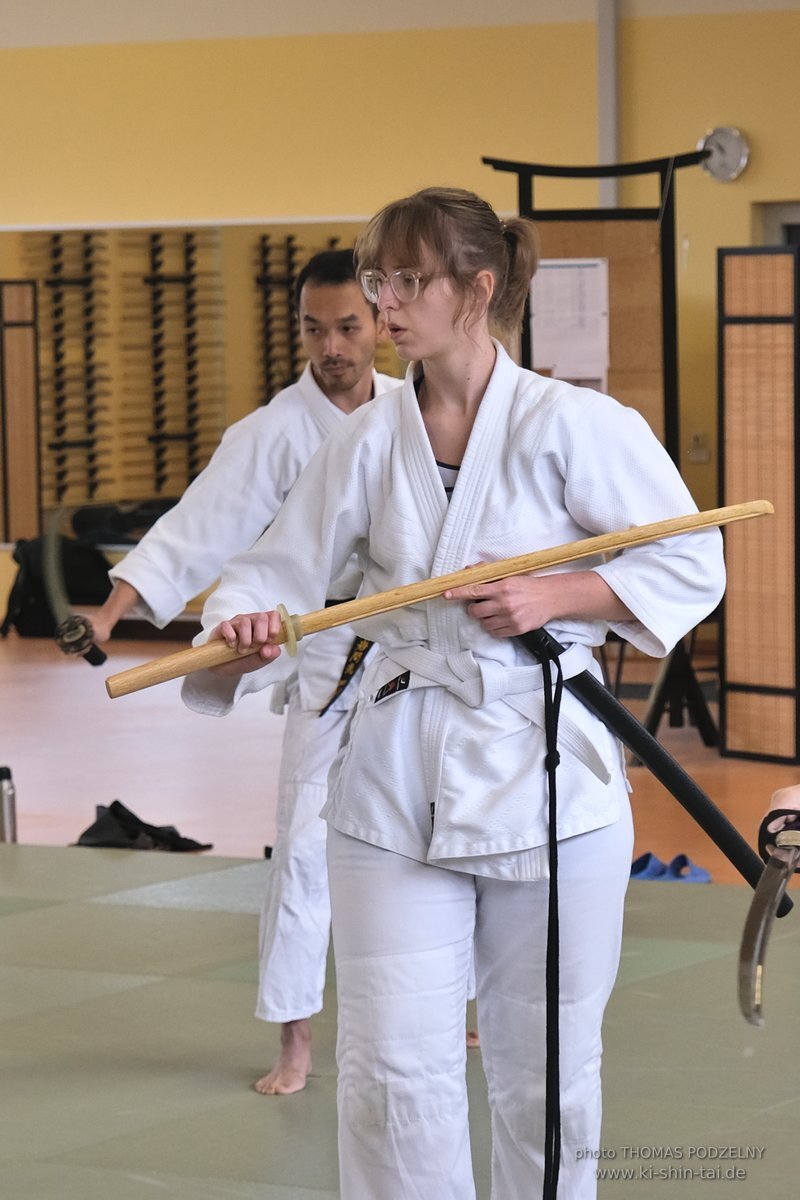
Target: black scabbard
659,761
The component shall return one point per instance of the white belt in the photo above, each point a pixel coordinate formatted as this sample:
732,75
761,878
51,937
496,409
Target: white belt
478,682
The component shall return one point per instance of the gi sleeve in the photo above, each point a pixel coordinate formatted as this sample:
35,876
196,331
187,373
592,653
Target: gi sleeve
617,474
322,523
223,511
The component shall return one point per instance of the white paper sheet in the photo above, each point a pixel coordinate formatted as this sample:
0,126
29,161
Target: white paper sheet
569,320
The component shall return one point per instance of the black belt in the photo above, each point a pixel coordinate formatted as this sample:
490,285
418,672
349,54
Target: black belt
355,656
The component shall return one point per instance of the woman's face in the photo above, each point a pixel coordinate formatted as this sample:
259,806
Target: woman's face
427,326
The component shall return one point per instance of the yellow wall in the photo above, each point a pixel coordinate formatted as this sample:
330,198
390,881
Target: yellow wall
8,572
682,76
324,126
296,126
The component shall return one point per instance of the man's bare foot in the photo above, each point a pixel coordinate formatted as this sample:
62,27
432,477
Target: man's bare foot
294,1061
473,1041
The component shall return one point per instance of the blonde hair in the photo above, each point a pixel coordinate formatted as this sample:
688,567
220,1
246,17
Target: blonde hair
463,235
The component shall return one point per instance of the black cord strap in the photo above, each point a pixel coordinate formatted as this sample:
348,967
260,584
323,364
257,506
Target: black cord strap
536,643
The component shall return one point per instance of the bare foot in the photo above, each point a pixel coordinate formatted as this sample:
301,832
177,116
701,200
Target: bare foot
473,1041
294,1061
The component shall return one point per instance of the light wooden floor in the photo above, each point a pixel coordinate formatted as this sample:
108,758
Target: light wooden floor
71,748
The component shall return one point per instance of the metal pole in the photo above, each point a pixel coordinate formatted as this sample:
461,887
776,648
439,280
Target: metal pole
607,99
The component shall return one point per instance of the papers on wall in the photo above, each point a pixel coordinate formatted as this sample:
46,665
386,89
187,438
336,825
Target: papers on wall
569,320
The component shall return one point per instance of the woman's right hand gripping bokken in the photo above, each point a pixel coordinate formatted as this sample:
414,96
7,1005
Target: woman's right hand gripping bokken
249,631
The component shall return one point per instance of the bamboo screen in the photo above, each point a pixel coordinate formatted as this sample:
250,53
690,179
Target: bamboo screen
758,399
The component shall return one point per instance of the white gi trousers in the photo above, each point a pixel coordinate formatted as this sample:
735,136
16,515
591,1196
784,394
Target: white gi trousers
403,941
296,916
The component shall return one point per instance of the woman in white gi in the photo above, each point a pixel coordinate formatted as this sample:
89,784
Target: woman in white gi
437,808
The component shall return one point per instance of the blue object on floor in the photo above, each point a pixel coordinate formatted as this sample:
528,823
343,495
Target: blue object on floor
683,869
647,866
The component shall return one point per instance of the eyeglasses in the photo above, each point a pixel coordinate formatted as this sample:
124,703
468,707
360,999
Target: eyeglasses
404,283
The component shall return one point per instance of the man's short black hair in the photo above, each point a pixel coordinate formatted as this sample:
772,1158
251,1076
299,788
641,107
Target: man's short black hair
329,267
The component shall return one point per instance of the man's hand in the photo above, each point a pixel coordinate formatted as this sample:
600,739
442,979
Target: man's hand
101,626
122,599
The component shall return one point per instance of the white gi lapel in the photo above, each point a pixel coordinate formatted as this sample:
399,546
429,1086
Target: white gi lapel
477,471
429,494
450,526
326,414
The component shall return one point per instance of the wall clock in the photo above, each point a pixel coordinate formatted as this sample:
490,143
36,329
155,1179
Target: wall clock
728,152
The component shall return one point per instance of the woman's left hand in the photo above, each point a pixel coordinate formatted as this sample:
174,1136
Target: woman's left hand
509,607
513,606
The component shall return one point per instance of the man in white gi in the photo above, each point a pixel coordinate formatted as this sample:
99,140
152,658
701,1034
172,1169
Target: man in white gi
223,512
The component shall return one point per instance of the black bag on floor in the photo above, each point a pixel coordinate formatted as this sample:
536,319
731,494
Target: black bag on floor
85,570
117,828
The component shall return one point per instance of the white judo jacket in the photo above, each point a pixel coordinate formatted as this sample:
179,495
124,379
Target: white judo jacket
230,504
443,761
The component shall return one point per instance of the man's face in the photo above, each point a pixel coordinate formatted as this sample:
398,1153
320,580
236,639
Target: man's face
338,333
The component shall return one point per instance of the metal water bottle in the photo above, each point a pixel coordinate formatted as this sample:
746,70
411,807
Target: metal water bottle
8,806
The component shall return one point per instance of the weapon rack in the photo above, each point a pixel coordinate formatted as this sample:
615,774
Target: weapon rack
75,455
151,341
172,351
759,439
278,264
